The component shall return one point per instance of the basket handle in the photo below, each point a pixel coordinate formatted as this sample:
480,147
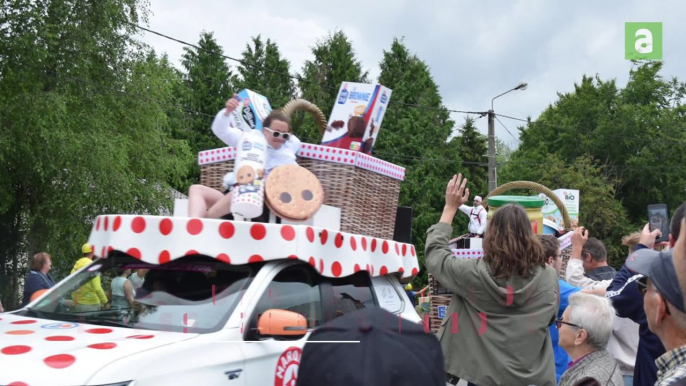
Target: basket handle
535,187
302,104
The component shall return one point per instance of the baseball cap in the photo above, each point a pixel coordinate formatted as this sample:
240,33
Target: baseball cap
86,248
477,198
658,266
391,351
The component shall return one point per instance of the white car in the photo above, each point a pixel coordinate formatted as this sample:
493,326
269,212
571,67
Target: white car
223,303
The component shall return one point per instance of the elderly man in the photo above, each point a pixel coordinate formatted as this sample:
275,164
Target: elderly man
588,269
663,303
477,218
585,329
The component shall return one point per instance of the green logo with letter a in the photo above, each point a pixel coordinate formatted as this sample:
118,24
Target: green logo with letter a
643,41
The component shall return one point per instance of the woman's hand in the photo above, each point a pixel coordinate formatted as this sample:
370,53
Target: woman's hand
456,194
231,104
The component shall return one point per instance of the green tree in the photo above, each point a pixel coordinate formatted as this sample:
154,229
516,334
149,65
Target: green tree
334,62
84,128
631,133
473,150
416,138
600,211
207,80
264,71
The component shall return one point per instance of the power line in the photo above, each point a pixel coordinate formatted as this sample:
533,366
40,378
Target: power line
515,138
294,77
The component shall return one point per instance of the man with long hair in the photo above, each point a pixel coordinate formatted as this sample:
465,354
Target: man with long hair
496,328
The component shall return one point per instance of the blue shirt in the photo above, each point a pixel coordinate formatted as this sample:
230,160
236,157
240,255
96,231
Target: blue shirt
561,358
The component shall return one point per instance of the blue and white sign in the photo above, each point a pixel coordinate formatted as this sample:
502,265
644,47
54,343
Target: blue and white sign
442,311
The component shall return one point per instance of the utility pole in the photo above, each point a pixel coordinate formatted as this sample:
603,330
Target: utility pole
492,172
492,182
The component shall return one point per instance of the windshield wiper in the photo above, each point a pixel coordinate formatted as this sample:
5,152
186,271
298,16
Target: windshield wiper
108,322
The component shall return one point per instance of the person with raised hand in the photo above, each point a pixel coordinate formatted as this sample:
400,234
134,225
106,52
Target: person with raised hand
496,328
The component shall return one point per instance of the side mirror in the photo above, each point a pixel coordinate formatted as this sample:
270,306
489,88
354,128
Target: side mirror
274,322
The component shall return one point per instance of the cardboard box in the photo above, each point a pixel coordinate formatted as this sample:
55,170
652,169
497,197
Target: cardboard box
357,116
570,199
251,112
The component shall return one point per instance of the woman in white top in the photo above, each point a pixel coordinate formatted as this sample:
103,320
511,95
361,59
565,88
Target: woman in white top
282,147
122,290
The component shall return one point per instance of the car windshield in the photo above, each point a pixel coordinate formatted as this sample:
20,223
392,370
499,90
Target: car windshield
194,294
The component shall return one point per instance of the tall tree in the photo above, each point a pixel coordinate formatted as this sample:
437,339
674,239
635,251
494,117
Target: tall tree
334,62
208,86
473,150
415,137
83,128
264,71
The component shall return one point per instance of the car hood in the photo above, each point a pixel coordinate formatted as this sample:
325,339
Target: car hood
37,351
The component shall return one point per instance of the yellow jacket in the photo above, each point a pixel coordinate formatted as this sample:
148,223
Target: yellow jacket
91,292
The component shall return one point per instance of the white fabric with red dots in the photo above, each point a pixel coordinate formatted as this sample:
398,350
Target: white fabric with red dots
157,240
324,153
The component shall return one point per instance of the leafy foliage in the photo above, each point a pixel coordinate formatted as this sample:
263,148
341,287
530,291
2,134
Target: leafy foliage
264,71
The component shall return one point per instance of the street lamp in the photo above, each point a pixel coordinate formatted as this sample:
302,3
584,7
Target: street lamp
492,180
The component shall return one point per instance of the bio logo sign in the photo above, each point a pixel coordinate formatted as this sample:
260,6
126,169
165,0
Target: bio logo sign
643,41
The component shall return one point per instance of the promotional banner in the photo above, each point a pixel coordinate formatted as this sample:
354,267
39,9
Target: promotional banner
570,199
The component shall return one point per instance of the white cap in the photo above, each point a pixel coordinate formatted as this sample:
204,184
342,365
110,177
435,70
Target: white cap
478,198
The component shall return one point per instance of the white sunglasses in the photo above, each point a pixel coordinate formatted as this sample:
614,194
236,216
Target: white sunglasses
277,134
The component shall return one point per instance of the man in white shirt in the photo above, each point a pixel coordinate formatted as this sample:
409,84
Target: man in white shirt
588,269
477,218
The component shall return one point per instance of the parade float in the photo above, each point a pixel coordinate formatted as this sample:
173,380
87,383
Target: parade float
231,299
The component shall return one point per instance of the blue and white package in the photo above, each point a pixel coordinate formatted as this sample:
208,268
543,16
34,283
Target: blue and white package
251,112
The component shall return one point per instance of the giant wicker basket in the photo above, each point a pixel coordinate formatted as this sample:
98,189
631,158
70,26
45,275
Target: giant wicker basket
368,200
443,299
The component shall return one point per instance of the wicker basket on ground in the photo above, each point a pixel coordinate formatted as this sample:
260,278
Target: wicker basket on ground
365,188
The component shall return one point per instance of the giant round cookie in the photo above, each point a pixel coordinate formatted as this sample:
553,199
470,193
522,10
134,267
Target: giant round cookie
293,192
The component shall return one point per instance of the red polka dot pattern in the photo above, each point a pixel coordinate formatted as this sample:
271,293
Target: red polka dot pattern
258,232
255,259
384,247
224,257
164,257
117,223
18,384
194,227
166,226
103,346
353,243
310,234
373,245
134,252
99,331
288,233
60,361
27,321
59,338
338,241
15,350
140,336
336,269
227,230
324,235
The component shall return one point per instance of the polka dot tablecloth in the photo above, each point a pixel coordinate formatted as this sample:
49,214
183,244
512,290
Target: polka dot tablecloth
565,242
157,240
323,153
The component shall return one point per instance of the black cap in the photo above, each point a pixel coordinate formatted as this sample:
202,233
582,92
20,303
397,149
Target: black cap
660,268
391,351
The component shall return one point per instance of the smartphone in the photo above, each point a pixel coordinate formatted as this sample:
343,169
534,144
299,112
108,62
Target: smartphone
658,218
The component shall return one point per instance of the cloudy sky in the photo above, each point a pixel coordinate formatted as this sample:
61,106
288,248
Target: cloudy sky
475,49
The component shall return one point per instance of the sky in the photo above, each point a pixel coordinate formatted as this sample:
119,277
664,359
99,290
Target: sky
476,50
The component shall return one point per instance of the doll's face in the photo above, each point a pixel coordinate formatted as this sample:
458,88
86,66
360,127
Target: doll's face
245,175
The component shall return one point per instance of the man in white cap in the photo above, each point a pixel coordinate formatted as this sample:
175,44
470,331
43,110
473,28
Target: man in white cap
477,218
